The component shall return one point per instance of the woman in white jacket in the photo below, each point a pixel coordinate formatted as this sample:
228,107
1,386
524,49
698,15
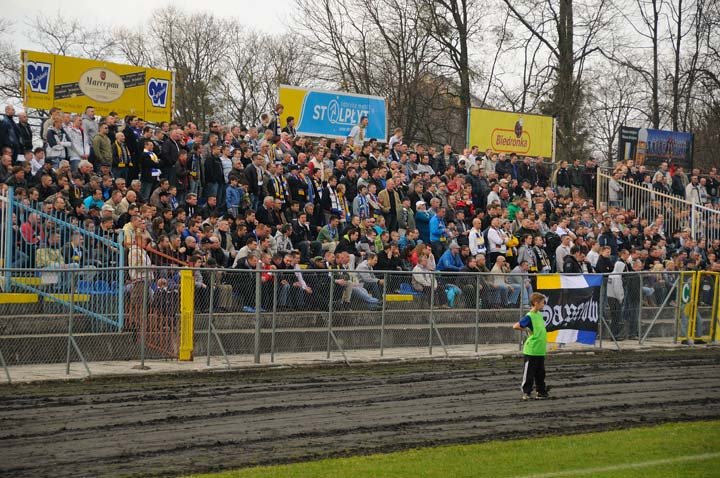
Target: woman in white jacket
615,295
79,143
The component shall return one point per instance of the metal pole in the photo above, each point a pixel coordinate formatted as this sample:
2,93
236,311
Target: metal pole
640,309
121,281
432,306
477,311
143,319
330,313
71,314
601,310
258,299
382,316
71,339
8,237
678,305
274,317
211,310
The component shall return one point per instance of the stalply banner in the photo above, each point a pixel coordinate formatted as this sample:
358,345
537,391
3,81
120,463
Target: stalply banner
332,113
572,308
72,84
506,132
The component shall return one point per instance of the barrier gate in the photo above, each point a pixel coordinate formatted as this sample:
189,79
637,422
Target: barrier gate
698,307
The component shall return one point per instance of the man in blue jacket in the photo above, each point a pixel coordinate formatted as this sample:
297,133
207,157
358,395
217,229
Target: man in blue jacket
422,221
438,232
451,260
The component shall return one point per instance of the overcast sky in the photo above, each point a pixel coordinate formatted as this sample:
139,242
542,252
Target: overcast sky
260,14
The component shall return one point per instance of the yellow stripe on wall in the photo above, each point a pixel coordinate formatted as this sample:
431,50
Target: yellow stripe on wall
18,298
548,281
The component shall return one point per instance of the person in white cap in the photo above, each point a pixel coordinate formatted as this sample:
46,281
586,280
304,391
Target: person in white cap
422,221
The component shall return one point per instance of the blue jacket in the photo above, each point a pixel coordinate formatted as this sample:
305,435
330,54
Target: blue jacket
449,262
422,222
233,196
437,228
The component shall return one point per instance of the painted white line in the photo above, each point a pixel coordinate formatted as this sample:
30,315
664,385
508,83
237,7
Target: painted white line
625,466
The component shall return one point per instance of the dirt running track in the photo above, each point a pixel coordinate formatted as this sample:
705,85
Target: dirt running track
173,425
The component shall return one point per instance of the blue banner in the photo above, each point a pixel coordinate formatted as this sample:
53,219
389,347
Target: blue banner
334,114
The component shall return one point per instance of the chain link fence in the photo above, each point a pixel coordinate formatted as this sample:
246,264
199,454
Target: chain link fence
230,316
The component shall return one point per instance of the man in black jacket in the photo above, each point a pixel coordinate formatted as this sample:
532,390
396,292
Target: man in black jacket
9,133
24,133
254,174
571,263
169,154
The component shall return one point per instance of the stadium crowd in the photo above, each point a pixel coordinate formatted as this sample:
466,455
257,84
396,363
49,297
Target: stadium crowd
233,197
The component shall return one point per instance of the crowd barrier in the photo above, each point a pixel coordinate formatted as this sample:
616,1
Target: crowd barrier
678,214
175,313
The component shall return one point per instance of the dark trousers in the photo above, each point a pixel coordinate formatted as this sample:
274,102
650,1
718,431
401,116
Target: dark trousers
534,374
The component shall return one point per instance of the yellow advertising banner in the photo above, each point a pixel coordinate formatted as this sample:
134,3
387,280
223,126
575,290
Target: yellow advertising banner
72,84
506,132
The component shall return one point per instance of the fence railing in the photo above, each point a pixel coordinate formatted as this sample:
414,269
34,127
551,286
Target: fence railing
677,214
241,316
40,246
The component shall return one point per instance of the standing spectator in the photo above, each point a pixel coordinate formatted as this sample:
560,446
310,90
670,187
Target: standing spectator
58,142
89,124
214,177
438,232
561,252
9,133
80,143
121,157
149,169
170,153
693,190
25,135
391,204
102,149
357,133
616,295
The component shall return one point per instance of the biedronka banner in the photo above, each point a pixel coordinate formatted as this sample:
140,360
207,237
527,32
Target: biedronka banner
572,308
72,84
505,132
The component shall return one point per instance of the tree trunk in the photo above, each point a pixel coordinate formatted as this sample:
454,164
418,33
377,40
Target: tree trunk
655,93
565,93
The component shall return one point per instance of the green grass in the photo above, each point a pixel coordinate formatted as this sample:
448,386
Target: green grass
677,445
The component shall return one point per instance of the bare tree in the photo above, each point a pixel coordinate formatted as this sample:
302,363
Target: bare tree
613,101
454,24
250,83
133,46
194,46
70,36
10,87
575,35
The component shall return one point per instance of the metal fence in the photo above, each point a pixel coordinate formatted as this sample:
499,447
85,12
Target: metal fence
42,248
677,214
221,316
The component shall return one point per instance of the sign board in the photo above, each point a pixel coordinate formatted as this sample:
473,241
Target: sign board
650,147
507,132
332,113
72,84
